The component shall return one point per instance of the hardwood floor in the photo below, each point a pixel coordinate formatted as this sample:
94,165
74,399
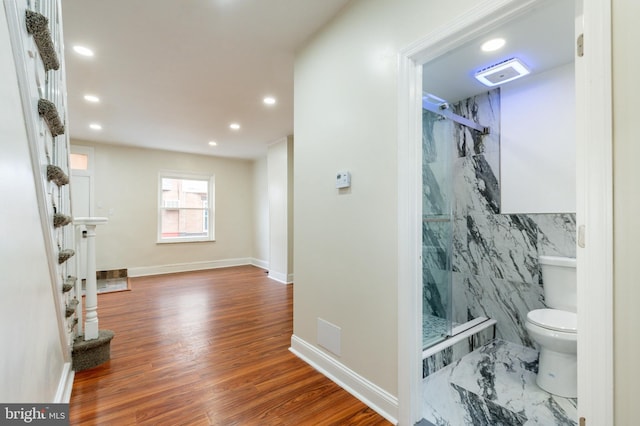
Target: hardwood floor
207,348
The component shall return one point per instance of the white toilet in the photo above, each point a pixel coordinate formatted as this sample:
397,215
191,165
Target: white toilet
555,329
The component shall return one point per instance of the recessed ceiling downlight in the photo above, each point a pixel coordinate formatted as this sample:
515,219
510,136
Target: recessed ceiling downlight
502,72
92,98
213,143
84,51
493,44
95,126
234,126
269,100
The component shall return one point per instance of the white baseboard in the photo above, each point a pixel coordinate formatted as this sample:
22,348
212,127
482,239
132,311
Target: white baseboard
187,267
65,385
372,395
280,277
260,263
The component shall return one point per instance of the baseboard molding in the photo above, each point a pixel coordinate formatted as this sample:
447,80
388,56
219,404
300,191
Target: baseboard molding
65,385
280,277
372,395
260,263
187,267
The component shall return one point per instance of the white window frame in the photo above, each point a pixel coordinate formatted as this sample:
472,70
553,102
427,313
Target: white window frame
210,207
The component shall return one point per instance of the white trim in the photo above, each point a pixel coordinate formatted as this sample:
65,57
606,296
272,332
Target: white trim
142,271
409,235
594,170
263,264
281,277
65,385
90,153
29,95
211,206
372,395
594,194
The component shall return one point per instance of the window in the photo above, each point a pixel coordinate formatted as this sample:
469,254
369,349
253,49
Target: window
185,207
78,161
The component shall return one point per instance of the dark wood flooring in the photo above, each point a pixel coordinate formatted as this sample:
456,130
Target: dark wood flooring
207,348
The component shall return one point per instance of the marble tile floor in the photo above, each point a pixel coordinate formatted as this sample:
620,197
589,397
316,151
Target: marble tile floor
493,385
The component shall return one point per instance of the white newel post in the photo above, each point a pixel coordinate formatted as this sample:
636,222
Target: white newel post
78,285
91,290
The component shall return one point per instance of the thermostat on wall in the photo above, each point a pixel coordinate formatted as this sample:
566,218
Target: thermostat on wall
343,180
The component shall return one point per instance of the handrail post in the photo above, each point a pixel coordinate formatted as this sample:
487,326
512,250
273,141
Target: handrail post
78,285
91,290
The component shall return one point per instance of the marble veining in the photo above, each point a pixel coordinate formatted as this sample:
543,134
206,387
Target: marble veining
508,302
556,234
434,329
454,352
493,385
436,295
493,256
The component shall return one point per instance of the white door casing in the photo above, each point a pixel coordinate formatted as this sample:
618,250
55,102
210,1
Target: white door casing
82,198
594,199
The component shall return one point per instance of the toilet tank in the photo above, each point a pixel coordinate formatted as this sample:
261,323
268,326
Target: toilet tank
559,282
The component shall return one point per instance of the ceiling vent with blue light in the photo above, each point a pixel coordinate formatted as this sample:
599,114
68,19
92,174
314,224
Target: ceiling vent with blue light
502,72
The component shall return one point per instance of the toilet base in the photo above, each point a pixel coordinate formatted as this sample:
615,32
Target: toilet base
558,373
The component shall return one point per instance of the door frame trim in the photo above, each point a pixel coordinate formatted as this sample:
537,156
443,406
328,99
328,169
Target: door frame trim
594,200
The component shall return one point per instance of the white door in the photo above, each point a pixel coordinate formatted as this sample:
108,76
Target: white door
82,195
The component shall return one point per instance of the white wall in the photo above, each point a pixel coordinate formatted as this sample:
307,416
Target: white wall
31,354
279,171
346,119
260,213
126,182
626,110
537,143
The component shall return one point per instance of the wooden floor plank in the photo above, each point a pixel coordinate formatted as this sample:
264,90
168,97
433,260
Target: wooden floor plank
207,348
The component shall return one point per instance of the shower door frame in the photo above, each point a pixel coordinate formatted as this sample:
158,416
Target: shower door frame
593,210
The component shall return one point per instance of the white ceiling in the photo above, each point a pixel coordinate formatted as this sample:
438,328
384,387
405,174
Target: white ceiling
173,74
542,39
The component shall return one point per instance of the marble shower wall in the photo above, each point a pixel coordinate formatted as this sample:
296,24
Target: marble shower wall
494,257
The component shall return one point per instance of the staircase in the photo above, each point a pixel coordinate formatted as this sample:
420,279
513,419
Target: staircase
36,37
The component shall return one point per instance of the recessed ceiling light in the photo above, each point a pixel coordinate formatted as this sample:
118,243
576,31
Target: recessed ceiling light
84,51
493,44
234,126
269,100
95,126
213,143
91,98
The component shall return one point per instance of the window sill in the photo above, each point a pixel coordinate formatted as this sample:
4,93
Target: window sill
182,241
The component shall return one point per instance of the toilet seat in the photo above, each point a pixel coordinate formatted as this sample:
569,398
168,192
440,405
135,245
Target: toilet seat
554,319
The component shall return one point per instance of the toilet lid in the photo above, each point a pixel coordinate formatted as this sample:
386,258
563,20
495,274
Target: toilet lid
554,319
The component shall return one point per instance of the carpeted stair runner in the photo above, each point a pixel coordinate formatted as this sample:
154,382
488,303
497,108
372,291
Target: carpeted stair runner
71,307
69,283
91,353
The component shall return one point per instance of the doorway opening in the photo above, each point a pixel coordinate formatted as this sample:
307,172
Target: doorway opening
412,233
